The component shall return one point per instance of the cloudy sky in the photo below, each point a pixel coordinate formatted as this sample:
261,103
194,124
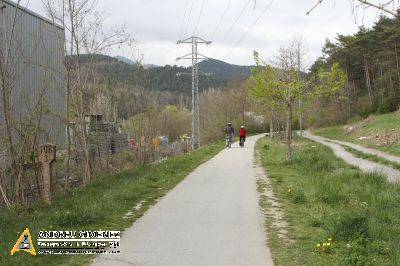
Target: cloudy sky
158,24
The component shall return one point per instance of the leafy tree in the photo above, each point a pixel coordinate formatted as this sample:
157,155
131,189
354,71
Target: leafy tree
280,88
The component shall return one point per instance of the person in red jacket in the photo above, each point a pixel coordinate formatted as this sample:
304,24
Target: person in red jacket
242,133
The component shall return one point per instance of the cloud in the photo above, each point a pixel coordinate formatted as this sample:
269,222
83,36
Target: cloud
158,24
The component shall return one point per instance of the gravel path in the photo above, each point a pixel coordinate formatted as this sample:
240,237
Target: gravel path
393,175
211,218
382,154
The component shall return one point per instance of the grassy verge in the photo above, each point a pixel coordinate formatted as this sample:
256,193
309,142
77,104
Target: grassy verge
100,205
372,157
339,133
380,132
325,198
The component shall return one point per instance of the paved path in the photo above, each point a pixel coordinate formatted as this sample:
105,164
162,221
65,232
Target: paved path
393,175
211,218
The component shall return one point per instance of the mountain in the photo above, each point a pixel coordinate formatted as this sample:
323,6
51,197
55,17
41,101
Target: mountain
149,66
165,78
224,70
124,60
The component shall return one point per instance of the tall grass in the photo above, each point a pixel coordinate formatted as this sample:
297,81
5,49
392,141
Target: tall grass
360,212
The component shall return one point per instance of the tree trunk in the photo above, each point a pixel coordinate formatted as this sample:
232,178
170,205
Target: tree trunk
397,64
9,138
392,90
289,133
318,111
348,101
5,199
68,94
382,85
271,126
368,81
301,117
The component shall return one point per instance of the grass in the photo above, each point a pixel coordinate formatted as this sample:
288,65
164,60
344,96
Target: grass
99,205
372,157
375,125
323,197
385,121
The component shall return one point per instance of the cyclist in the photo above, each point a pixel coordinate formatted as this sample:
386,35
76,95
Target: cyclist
229,131
242,134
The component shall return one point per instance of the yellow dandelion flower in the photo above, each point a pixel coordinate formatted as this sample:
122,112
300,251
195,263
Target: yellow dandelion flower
318,245
324,244
328,244
329,239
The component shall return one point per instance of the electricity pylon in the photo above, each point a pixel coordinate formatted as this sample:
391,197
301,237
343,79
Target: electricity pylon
195,56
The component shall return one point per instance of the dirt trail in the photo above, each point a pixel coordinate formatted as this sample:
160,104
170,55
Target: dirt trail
211,218
382,154
393,175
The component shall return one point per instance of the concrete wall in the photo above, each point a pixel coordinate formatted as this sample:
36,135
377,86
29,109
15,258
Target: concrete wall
36,69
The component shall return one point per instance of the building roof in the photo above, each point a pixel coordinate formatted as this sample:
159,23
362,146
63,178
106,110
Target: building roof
32,13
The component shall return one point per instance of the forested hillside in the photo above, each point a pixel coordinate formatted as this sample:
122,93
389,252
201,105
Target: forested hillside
370,58
165,78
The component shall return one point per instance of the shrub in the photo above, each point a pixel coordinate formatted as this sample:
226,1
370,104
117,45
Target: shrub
389,105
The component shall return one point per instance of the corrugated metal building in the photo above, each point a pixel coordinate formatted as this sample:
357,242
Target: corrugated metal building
36,69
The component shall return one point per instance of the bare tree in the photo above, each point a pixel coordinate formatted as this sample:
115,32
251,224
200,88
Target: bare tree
299,53
84,27
23,108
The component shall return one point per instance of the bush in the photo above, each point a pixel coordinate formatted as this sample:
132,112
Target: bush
389,105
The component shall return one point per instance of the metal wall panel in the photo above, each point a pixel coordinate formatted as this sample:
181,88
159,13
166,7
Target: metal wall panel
36,57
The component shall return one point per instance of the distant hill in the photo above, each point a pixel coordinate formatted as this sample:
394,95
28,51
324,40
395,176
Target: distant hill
124,60
164,78
222,69
148,66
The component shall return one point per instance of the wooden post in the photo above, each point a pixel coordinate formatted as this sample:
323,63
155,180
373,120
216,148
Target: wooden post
47,154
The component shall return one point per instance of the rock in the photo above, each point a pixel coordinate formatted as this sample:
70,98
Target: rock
349,129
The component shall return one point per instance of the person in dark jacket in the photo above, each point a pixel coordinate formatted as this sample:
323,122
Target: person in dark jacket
229,131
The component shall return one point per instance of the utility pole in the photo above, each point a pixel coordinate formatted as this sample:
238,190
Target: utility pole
195,56
368,3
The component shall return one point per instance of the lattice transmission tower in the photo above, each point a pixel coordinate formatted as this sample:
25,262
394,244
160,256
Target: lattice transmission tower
195,56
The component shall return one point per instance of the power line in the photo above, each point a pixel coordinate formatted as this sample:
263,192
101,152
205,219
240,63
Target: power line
187,22
251,27
314,7
184,18
198,19
237,19
220,21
